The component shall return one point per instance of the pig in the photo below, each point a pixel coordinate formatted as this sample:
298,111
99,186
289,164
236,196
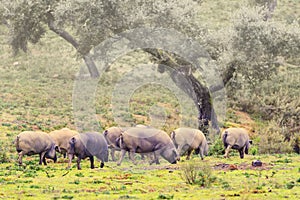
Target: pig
30,143
142,126
147,140
89,145
61,138
189,139
236,138
112,133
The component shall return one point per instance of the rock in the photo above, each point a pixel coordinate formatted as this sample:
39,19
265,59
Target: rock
256,163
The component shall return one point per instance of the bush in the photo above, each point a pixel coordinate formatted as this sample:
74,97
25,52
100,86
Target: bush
217,147
4,158
272,140
296,143
197,173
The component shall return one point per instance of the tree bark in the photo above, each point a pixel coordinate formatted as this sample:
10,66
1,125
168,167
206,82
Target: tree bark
200,94
65,35
184,79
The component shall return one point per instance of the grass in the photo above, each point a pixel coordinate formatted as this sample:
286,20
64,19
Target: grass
277,180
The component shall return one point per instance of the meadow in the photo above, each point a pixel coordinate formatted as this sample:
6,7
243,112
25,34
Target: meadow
36,91
278,178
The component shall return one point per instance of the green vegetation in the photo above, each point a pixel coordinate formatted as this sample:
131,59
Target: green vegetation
36,94
277,179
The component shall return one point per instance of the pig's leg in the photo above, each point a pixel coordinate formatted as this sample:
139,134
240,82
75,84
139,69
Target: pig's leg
92,162
20,157
227,151
123,152
78,162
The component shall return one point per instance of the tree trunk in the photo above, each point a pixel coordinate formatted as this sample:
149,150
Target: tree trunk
70,39
200,94
91,66
185,80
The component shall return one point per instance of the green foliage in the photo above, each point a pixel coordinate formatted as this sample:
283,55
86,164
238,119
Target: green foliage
163,182
79,175
165,196
85,17
250,53
286,160
225,185
259,43
197,173
76,182
26,19
248,48
275,99
290,185
253,150
4,157
217,147
67,197
272,140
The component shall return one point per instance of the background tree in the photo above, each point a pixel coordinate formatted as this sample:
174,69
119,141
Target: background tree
247,51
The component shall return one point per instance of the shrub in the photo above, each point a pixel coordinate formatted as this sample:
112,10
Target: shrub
296,143
217,147
272,140
4,158
253,150
197,173
165,196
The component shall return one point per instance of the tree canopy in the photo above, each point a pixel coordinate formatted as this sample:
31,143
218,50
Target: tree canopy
248,51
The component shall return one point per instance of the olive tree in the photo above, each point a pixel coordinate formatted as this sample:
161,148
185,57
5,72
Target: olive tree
247,50
84,24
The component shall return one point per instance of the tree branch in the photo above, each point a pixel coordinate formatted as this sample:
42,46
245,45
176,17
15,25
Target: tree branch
62,33
65,35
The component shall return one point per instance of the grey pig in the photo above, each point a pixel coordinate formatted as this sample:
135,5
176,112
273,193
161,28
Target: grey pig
89,145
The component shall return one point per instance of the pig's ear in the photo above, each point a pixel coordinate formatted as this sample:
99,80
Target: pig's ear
57,149
105,132
73,140
173,135
118,142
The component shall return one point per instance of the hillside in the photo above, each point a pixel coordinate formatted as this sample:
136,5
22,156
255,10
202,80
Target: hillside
37,93
36,87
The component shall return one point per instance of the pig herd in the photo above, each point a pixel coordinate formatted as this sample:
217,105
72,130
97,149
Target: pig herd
144,140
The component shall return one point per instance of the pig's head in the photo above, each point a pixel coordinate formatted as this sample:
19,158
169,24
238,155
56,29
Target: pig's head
71,146
111,135
51,153
170,154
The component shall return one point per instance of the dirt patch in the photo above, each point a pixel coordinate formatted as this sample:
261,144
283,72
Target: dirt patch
219,166
242,166
158,167
155,167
